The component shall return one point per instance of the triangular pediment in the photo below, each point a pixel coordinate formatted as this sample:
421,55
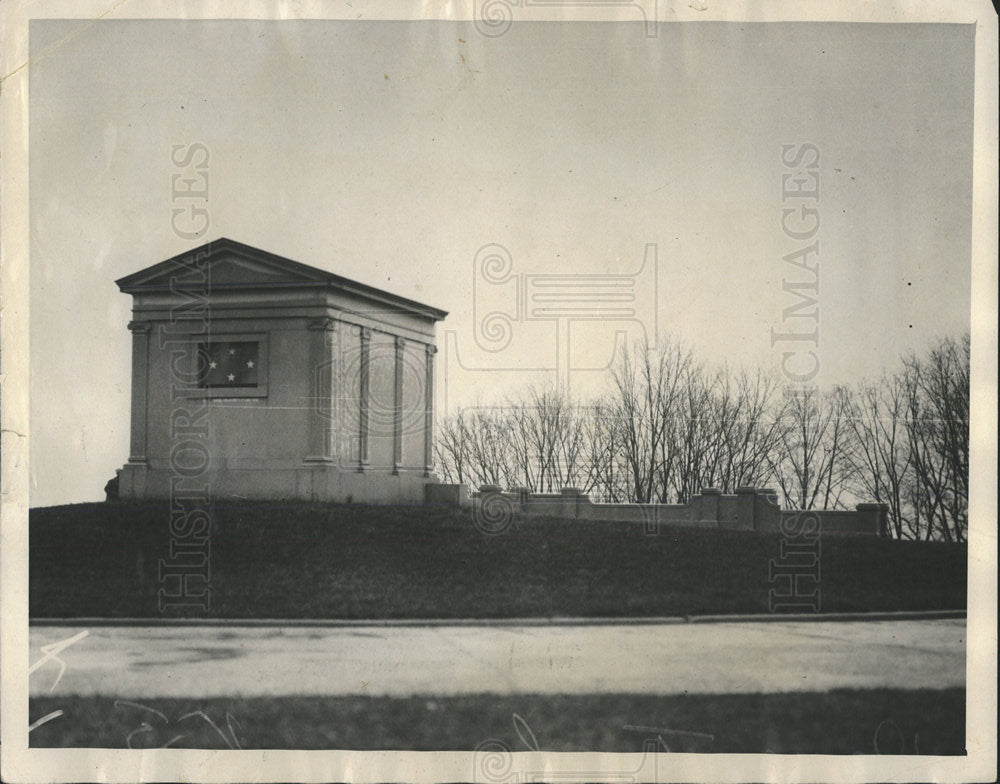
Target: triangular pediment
227,265
237,270
224,263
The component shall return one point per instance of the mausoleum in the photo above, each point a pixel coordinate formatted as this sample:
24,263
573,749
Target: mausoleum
257,377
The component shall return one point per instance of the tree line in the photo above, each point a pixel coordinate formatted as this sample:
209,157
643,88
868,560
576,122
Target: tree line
670,425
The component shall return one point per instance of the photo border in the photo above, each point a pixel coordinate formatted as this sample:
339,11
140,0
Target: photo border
23,764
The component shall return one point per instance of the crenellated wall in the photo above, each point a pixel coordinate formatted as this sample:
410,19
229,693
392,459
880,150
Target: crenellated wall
748,509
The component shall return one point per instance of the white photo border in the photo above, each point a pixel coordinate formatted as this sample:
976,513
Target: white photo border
23,764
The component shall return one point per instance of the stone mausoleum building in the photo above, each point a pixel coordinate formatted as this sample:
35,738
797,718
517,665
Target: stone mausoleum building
258,377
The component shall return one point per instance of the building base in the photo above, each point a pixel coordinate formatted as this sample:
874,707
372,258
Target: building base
309,482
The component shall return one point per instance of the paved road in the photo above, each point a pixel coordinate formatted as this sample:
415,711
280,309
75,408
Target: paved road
734,657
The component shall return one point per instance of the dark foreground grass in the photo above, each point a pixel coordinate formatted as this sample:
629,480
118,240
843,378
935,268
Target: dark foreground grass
837,722
303,561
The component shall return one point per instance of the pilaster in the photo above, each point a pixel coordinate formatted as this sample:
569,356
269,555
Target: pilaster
429,412
323,339
140,390
365,397
397,413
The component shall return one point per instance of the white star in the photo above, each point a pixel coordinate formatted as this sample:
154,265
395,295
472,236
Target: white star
231,377
232,351
213,364
249,363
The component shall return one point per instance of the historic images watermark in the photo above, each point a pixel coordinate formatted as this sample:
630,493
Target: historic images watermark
374,391
185,575
795,575
189,216
494,18
544,440
514,309
494,760
540,442
496,512
799,331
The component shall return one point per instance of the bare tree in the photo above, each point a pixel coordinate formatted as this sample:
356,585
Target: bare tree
879,450
729,427
670,426
937,424
451,449
647,386
536,440
605,474
810,465
546,435
748,417
692,439
473,447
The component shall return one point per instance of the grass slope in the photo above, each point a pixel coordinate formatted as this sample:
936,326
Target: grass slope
304,561
837,722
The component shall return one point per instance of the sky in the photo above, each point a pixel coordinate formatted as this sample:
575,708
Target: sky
392,152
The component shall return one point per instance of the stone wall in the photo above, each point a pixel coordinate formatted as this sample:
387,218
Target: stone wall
748,509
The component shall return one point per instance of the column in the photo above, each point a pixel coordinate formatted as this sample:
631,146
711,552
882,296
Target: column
429,412
140,380
397,400
323,337
366,352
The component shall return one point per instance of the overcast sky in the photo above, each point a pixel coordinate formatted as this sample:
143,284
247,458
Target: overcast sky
391,152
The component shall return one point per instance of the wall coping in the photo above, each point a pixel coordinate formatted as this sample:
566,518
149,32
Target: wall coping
748,515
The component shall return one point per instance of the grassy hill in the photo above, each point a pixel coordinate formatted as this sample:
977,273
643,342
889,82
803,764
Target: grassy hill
305,561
